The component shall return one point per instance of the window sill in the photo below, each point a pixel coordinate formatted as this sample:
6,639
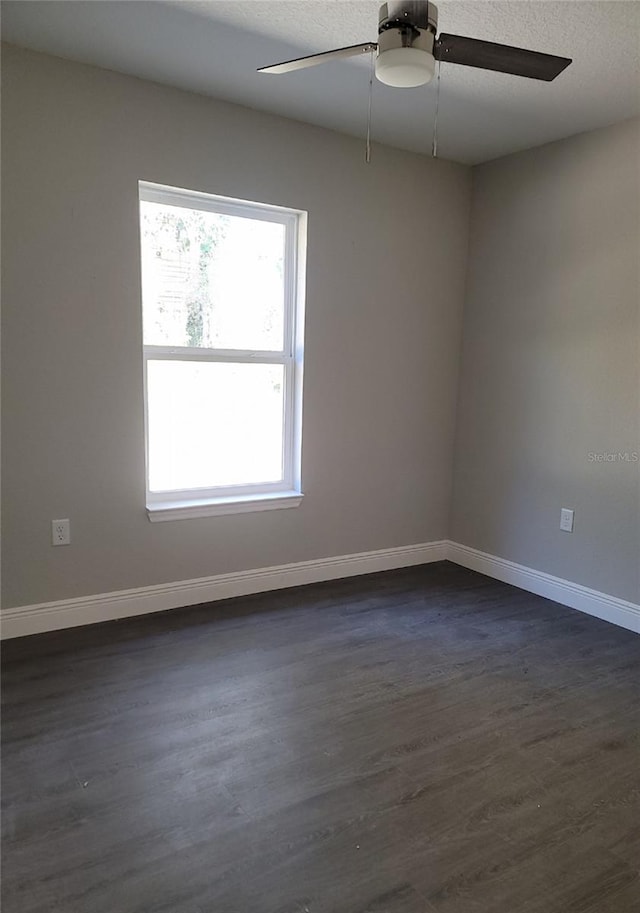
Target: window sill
216,507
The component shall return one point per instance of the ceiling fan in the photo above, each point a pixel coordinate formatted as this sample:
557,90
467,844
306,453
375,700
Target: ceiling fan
408,47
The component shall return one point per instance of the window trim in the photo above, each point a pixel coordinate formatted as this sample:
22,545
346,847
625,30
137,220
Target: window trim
287,492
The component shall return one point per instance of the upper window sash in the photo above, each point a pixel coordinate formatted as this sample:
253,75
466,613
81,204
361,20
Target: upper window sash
255,212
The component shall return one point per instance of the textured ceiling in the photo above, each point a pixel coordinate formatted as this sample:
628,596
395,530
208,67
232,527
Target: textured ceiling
215,47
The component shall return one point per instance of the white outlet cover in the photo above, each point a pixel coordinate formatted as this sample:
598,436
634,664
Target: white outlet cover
60,532
566,520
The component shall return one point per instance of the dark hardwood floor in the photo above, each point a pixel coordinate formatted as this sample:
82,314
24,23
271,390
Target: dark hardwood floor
416,741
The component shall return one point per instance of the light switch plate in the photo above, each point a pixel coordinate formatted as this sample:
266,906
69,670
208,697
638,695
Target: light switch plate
566,520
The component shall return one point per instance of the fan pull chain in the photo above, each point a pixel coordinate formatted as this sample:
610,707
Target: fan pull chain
371,72
434,143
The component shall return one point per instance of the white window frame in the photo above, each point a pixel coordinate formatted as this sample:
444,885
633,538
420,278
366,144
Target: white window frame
185,503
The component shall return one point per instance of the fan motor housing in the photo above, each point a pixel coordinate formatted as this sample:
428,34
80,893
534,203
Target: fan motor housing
420,14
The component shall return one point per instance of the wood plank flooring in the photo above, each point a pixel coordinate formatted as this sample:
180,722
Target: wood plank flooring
415,741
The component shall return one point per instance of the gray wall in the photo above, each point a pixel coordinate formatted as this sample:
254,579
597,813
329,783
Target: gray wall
382,334
549,371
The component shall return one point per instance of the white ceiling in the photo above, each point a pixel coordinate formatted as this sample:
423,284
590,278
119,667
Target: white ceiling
215,47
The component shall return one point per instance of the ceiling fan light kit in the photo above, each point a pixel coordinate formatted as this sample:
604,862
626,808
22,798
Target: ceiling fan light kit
406,34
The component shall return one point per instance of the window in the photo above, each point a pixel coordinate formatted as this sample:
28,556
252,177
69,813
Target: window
222,308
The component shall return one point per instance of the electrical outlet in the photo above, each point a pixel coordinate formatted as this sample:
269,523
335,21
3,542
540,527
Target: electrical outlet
60,532
566,520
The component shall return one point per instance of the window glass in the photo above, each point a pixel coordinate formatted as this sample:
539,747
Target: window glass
211,280
214,424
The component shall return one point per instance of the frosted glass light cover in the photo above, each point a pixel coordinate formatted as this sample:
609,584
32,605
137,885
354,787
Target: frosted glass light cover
405,67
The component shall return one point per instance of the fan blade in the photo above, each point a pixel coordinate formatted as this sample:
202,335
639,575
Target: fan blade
500,57
301,63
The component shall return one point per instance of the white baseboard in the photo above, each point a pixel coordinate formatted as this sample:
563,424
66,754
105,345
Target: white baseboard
85,610
609,608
